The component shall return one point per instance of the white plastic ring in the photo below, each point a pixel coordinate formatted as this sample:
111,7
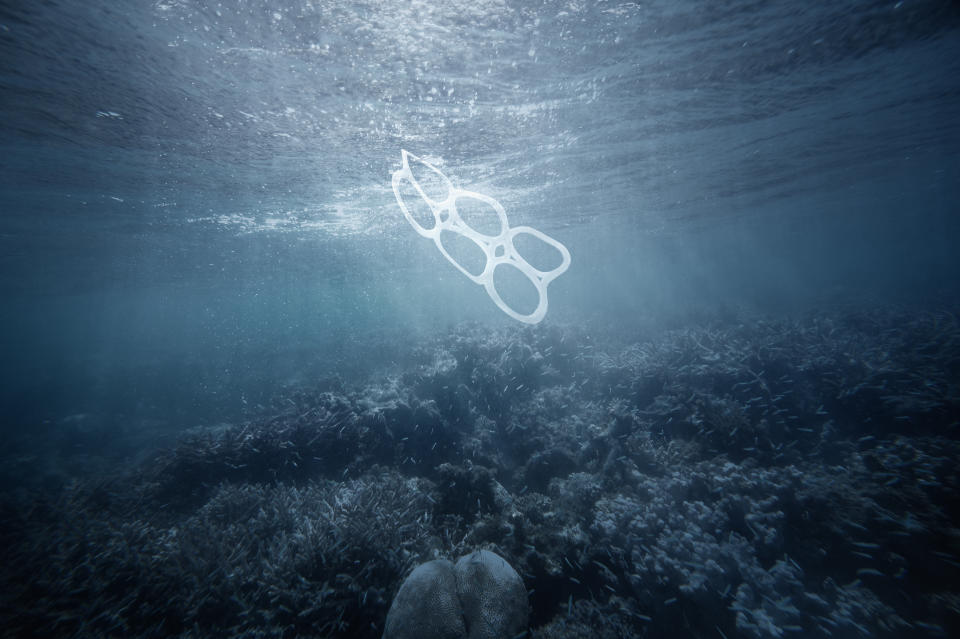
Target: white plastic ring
499,248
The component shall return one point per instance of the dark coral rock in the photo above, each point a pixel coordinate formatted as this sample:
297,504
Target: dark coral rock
481,597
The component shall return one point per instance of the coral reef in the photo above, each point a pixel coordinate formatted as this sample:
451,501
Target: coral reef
746,477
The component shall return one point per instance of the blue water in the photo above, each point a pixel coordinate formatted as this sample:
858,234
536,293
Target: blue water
196,210
192,186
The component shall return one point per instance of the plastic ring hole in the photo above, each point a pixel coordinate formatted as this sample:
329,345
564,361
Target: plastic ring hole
433,183
516,289
419,212
463,252
537,252
479,215
498,252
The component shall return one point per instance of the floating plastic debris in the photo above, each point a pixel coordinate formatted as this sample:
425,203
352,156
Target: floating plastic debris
499,248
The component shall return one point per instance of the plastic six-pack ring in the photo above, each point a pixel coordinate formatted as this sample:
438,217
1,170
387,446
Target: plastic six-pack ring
499,248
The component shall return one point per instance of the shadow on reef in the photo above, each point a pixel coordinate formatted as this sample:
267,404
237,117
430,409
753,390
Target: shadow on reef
750,478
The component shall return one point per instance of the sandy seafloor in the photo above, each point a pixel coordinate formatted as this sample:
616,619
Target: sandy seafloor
738,476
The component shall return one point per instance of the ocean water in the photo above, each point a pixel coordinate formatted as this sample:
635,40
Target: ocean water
738,418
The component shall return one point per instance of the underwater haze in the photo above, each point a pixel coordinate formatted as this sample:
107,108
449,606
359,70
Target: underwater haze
241,394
